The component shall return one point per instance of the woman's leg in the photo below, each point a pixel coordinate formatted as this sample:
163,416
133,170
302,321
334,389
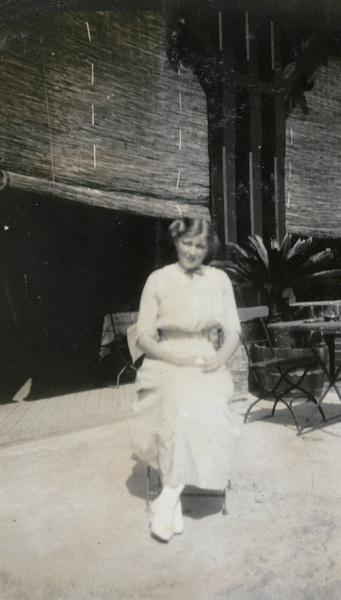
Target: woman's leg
178,518
166,513
172,496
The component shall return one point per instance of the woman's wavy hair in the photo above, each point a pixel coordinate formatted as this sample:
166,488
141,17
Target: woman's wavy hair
193,227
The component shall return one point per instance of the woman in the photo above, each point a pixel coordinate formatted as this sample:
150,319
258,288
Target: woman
181,422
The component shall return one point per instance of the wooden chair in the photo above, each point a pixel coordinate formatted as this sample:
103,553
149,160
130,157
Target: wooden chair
275,378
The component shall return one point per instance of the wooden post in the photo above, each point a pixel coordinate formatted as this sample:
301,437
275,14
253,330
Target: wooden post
229,139
280,139
223,144
280,171
255,131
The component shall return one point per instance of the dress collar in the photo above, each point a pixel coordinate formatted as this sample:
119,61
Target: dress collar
192,273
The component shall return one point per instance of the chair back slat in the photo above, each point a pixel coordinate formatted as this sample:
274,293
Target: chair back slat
254,329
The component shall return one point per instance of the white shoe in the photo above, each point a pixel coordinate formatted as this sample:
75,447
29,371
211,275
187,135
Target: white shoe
162,525
178,518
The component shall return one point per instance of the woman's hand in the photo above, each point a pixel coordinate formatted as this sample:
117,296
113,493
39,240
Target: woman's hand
178,359
156,351
187,360
223,355
213,363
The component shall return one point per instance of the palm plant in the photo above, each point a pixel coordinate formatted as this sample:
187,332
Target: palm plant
271,269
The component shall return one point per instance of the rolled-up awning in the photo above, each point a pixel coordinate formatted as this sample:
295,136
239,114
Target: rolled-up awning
91,111
120,201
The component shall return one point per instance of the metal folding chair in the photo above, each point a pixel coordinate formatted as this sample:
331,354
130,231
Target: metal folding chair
124,345
134,352
278,379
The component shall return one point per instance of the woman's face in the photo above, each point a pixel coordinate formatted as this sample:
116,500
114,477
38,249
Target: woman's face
191,251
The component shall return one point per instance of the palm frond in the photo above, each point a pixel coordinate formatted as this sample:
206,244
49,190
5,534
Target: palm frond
309,263
317,262
322,277
238,271
299,248
284,247
276,267
258,248
248,271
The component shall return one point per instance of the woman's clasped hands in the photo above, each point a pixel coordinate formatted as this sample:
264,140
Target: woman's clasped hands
212,363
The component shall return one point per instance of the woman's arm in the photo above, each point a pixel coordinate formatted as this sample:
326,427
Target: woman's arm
230,344
154,350
231,328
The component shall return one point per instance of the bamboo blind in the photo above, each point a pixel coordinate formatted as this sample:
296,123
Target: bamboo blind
313,158
91,110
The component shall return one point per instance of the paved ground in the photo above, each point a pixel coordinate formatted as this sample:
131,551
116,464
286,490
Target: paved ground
74,523
30,420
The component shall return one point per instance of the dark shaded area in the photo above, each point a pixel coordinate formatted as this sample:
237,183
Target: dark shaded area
63,267
196,503
242,153
267,166
331,287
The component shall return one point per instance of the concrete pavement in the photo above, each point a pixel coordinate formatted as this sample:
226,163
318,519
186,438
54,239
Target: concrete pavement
74,523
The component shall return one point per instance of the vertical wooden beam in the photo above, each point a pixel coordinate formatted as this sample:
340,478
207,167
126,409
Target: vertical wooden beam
223,145
229,166
252,44
256,142
251,192
216,176
256,205
247,38
280,139
280,184
229,137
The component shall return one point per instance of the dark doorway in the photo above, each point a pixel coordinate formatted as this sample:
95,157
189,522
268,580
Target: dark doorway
63,266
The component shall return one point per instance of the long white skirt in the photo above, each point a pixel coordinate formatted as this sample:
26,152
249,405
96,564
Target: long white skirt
181,422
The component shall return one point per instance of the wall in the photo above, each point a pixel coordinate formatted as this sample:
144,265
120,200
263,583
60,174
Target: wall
313,158
89,99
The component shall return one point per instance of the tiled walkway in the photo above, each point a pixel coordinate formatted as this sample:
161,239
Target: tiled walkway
29,420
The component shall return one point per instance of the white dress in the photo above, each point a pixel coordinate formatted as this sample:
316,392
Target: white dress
181,422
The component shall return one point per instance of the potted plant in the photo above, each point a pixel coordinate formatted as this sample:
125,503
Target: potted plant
275,270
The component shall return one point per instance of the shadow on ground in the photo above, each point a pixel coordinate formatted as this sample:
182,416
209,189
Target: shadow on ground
196,503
